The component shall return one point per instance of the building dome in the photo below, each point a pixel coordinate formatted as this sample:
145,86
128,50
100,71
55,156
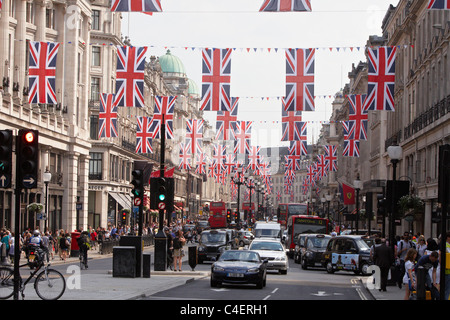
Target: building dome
193,88
172,65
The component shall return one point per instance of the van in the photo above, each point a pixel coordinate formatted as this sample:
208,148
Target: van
268,230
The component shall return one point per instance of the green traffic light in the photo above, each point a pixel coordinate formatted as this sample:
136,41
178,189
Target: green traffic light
162,197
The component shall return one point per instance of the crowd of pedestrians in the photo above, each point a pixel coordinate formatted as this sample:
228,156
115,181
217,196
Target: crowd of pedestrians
402,265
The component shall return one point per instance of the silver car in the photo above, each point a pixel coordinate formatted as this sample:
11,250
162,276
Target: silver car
272,250
244,238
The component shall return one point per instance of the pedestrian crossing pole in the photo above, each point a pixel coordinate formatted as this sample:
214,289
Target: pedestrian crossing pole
160,237
443,198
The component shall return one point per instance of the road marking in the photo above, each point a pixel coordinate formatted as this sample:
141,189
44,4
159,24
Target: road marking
276,289
266,298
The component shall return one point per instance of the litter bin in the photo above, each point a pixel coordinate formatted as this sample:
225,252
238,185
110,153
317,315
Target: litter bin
74,248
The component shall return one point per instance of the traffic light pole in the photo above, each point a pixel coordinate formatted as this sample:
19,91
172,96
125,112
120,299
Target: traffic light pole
160,237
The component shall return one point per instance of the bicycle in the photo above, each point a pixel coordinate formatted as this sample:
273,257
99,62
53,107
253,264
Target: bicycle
83,260
49,283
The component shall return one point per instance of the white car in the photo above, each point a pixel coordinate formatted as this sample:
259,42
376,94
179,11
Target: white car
272,250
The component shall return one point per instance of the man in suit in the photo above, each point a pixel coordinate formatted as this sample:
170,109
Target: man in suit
383,258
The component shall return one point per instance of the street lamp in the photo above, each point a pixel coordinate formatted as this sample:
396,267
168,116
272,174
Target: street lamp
338,196
250,185
323,200
46,176
328,197
357,185
237,181
395,154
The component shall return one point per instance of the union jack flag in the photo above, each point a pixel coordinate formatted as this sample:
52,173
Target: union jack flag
41,72
107,117
310,175
242,133
216,78
144,135
194,135
331,157
290,124
254,157
278,196
219,155
358,117
300,147
185,157
164,107
292,161
439,4
299,80
201,162
286,5
136,6
322,166
130,76
381,78
226,120
351,148
229,164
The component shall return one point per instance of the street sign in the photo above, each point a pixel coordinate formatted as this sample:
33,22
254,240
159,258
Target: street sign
137,202
161,205
28,181
5,180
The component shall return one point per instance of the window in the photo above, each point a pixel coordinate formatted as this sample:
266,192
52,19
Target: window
95,19
93,131
95,56
95,89
95,165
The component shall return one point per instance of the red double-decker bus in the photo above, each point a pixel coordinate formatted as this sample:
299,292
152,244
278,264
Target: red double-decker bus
285,210
218,215
298,224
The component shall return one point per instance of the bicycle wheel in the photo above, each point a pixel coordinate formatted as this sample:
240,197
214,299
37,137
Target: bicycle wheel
6,282
50,285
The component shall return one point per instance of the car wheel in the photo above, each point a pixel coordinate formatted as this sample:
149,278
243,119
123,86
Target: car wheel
214,283
329,267
304,264
364,268
260,283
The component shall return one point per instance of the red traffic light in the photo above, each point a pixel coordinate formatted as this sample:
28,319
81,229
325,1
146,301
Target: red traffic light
29,137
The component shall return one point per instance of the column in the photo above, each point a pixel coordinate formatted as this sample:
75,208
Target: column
427,228
70,191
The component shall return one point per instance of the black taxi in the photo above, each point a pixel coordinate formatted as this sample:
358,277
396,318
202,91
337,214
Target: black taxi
313,249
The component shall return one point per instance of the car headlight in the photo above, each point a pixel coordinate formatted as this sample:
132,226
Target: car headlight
253,270
201,248
218,269
282,258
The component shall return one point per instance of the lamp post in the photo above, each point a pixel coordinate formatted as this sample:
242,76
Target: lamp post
237,181
338,195
395,154
47,176
328,198
357,185
323,200
250,185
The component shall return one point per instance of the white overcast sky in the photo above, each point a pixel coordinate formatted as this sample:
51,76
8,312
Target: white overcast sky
239,24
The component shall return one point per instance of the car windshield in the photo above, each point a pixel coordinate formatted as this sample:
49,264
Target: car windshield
239,256
263,245
320,243
270,233
213,237
362,245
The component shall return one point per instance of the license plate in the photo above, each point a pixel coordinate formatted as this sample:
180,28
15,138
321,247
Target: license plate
236,275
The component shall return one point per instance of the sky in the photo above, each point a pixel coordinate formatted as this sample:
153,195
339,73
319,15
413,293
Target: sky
187,26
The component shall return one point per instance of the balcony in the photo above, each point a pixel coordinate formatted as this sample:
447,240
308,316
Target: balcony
427,117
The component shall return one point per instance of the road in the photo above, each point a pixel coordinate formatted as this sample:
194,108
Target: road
297,284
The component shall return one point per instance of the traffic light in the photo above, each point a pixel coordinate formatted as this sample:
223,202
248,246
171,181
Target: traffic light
124,218
162,191
27,160
5,158
229,216
381,204
138,183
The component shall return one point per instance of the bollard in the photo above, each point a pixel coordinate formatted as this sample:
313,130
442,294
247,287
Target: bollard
146,263
420,283
192,257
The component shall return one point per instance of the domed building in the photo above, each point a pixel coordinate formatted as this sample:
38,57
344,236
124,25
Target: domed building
174,73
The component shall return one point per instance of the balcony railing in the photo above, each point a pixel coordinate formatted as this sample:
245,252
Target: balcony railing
427,117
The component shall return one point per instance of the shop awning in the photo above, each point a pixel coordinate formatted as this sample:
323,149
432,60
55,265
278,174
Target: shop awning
121,199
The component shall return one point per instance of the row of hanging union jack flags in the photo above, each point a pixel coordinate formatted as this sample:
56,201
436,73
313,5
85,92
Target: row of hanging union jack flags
155,5
267,5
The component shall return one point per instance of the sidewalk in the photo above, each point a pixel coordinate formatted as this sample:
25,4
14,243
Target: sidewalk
391,293
103,286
